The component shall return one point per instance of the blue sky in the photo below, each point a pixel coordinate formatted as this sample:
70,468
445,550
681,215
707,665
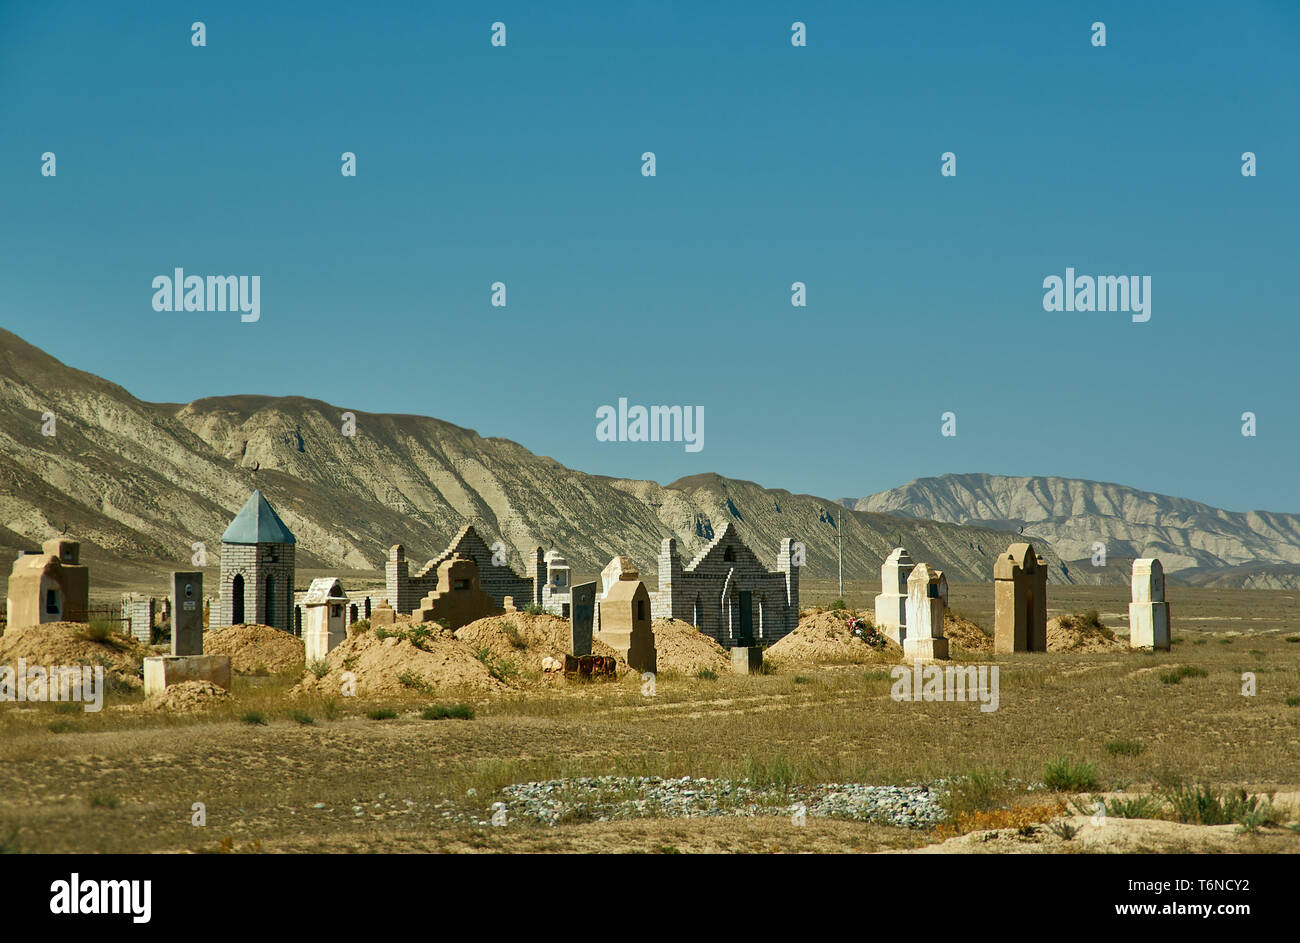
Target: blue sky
775,164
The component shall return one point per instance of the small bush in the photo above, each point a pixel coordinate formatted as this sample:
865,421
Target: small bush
978,791
1225,641
1293,701
330,706
838,605
1133,807
534,609
516,640
303,718
320,668
1176,675
800,679
443,712
1198,641
100,630
1292,638
409,679
708,674
253,718
381,713
1205,805
102,800
62,726
1063,830
1065,774
1124,747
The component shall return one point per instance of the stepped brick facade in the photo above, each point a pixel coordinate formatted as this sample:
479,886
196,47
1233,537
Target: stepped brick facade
727,593
405,591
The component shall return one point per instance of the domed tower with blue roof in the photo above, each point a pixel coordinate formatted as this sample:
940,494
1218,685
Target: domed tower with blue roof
257,568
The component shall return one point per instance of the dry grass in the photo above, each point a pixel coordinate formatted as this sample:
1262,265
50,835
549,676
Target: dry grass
262,783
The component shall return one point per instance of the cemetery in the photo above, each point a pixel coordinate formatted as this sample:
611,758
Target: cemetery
465,635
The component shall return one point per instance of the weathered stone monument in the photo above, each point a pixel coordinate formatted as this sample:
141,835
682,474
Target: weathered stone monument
891,604
927,599
625,621
383,614
1020,600
459,599
187,661
187,613
48,585
326,624
582,618
557,595
1148,613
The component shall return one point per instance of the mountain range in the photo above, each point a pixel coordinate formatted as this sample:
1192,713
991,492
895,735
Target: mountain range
144,482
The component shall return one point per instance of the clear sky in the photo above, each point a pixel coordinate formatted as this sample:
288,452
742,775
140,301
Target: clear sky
775,164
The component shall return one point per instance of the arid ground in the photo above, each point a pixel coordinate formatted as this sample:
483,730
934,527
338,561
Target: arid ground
321,773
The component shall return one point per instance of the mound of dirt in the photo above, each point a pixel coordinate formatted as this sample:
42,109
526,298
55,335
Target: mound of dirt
682,647
255,649
65,643
823,637
1073,633
964,634
523,639
188,697
396,665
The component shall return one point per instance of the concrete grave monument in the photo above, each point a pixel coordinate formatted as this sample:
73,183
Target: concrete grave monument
1148,613
891,604
1020,600
927,599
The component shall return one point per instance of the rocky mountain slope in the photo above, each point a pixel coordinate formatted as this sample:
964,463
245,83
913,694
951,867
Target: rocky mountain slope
146,481
1259,549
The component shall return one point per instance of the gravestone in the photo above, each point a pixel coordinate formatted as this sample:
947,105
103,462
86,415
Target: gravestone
187,613
1020,600
927,598
582,618
1148,613
891,604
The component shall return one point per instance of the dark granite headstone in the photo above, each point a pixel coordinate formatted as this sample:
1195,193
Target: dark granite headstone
582,618
187,613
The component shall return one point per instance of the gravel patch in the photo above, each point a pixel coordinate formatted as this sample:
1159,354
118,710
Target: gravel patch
608,798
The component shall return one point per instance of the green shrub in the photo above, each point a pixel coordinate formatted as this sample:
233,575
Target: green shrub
707,674
535,609
102,800
979,790
1292,638
513,637
303,718
1124,747
800,679
101,630
1293,701
1066,774
320,668
443,712
1176,675
1206,805
381,713
409,679
1063,829
838,604
253,718
62,726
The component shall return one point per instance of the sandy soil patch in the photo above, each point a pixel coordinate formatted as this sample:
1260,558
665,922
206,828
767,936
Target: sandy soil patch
1069,633
823,636
65,644
255,649
394,666
965,634
188,697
